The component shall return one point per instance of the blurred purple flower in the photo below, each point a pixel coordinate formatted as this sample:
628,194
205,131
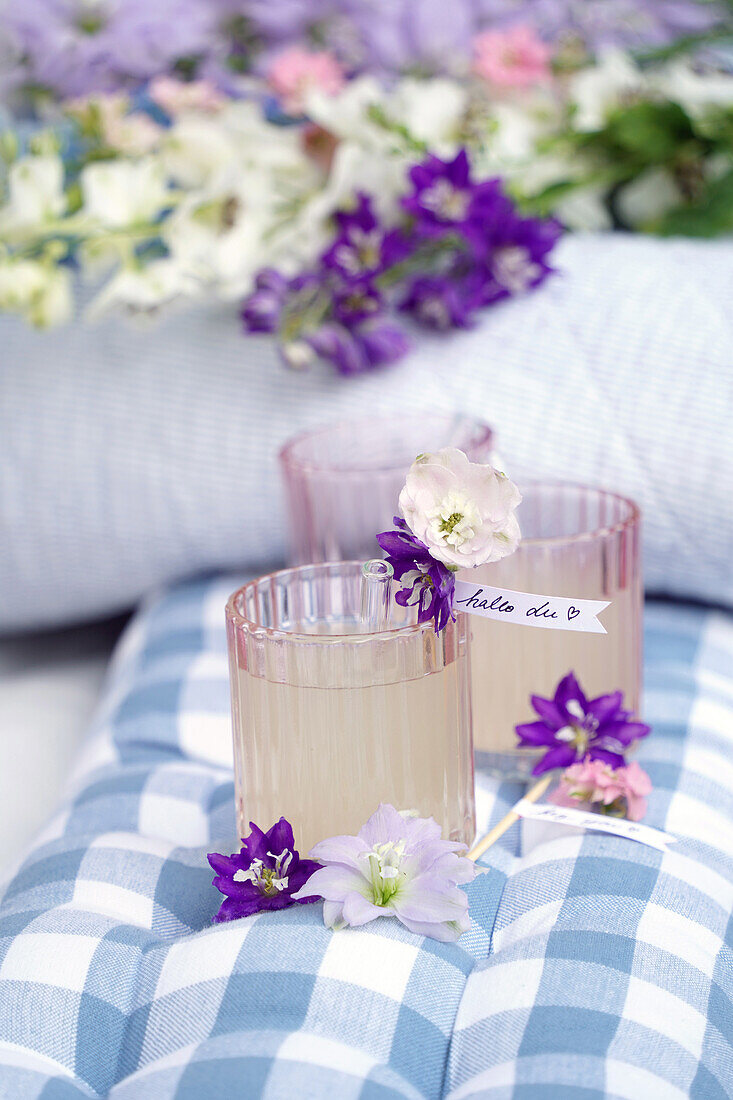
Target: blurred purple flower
442,302
445,198
630,24
572,727
264,874
359,347
363,246
425,581
517,260
395,866
74,47
262,309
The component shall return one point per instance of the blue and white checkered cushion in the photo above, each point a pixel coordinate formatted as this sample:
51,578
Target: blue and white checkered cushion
132,458
595,967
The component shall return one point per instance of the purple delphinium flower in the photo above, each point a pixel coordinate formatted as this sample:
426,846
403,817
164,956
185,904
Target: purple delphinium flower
442,302
262,309
572,727
359,347
424,581
395,866
363,247
517,260
264,874
445,198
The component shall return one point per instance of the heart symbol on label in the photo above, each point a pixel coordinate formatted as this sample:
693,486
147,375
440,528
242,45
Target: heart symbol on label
573,613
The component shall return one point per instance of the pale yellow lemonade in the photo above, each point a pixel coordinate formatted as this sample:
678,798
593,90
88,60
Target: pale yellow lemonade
511,661
325,757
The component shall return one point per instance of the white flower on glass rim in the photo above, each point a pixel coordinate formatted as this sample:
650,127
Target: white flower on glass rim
119,193
35,192
463,511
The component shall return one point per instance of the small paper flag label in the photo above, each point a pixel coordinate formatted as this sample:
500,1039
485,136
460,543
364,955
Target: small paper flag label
582,819
529,608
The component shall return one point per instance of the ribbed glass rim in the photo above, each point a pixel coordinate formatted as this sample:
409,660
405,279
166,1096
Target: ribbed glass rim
483,436
234,614
632,519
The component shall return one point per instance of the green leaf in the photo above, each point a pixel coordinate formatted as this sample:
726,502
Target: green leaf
710,216
648,133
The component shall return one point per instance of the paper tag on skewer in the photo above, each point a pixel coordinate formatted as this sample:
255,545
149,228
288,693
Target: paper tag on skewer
581,819
529,608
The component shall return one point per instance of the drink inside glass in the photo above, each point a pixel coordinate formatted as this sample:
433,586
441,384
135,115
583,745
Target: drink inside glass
580,543
330,717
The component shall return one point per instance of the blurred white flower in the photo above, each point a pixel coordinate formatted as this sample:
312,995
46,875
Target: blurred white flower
432,111
648,197
596,90
220,236
370,115
38,290
696,92
121,193
35,192
584,209
462,511
196,149
144,290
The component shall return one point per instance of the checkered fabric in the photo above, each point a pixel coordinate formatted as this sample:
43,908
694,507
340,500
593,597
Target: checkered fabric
595,967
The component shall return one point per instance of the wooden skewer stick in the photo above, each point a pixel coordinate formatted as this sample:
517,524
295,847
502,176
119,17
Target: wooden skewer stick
531,796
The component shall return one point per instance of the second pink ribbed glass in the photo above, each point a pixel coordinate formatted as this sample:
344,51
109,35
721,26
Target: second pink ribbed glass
342,481
330,719
580,543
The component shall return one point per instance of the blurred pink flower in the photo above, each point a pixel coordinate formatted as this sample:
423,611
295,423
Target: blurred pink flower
594,781
295,71
514,58
178,95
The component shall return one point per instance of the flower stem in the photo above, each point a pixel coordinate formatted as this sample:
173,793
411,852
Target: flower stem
532,795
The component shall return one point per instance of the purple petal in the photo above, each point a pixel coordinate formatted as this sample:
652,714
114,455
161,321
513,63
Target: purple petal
384,825
561,757
548,712
615,759
333,883
605,706
535,733
341,849
428,898
446,932
567,690
624,732
280,837
234,908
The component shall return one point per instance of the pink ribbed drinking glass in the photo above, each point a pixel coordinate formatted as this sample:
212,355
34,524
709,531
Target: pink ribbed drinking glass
580,543
330,717
342,482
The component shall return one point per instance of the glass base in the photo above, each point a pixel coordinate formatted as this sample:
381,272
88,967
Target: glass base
515,766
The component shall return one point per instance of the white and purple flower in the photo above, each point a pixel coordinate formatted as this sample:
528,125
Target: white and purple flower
265,874
398,866
572,727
